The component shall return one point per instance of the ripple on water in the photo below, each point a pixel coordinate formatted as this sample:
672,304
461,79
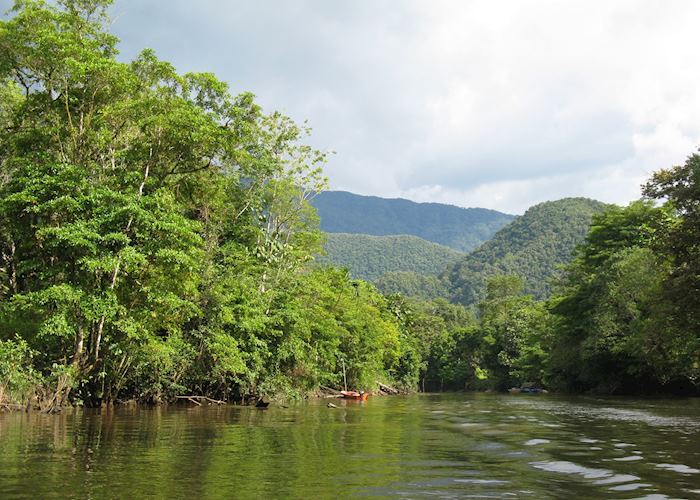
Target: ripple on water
680,468
625,415
629,487
535,442
480,481
617,478
631,458
602,477
565,467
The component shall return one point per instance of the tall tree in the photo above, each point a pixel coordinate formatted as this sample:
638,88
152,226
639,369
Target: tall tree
680,187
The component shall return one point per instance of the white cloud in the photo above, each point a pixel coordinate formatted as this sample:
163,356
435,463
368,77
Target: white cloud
491,103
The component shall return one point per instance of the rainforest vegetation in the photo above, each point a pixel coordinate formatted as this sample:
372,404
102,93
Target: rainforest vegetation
412,284
156,233
369,257
157,239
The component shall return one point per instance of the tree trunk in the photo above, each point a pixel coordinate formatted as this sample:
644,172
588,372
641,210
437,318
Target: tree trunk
117,268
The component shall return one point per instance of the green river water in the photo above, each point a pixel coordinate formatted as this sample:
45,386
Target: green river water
421,446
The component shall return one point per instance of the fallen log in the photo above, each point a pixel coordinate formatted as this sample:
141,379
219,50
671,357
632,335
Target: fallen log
387,389
196,400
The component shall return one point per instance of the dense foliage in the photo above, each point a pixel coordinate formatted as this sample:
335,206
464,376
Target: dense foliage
461,229
625,316
369,257
532,246
497,346
156,235
621,320
680,240
410,284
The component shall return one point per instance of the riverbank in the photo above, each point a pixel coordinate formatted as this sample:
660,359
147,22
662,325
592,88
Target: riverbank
36,404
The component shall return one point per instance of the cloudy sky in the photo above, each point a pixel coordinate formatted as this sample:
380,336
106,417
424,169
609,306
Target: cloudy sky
498,104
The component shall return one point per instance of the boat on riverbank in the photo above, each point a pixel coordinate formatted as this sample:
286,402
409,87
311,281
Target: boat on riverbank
527,388
358,396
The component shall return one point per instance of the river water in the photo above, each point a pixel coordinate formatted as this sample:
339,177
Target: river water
435,446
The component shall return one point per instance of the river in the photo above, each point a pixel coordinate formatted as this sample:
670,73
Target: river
437,446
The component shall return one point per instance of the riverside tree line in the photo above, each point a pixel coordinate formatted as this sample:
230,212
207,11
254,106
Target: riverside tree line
156,239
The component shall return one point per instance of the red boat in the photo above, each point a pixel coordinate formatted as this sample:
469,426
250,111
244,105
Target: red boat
358,396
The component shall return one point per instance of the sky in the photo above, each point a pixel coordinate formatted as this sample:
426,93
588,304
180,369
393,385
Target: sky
496,104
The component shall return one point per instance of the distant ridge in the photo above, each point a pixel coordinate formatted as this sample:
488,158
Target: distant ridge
461,229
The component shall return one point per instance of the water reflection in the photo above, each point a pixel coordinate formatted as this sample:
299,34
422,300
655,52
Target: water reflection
444,446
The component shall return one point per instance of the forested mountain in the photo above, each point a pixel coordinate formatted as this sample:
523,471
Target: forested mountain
368,257
532,246
462,229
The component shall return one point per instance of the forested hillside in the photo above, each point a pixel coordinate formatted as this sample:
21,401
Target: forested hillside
369,257
532,247
462,229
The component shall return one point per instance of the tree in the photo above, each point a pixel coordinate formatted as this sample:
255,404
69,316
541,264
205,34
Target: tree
680,187
614,319
128,193
513,327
